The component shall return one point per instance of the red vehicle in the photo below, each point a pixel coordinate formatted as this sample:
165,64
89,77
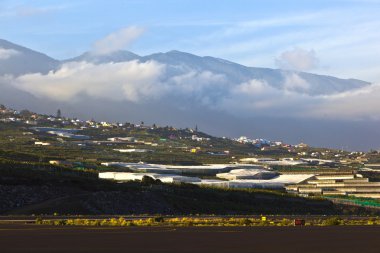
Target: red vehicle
299,222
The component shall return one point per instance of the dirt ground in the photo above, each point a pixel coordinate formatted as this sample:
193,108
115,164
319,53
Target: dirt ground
35,238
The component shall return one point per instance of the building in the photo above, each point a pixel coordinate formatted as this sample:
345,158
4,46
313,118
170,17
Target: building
256,160
247,174
337,185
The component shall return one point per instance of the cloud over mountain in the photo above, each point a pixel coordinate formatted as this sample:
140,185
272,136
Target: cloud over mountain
258,98
7,53
133,81
360,104
117,40
138,82
298,59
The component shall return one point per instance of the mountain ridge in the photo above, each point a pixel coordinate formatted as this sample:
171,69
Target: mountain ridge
241,73
25,61
30,61
214,107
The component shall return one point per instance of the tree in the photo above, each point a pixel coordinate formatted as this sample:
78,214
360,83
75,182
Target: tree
25,113
146,180
59,114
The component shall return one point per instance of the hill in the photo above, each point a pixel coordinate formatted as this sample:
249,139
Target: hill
30,184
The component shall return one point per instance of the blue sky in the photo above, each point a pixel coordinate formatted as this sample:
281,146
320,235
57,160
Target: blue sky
342,36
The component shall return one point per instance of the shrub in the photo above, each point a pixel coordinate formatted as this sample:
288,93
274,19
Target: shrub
39,221
334,221
159,219
146,180
245,222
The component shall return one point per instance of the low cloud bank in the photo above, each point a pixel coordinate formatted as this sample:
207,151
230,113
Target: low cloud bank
259,98
133,81
140,82
360,104
7,53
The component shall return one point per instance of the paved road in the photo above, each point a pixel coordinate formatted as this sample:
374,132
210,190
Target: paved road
17,238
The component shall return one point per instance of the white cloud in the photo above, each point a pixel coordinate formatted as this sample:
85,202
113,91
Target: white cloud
27,10
293,82
195,81
361,104
347,46
7,53
117,40
140,82
204,87
298,59
133,81
257,97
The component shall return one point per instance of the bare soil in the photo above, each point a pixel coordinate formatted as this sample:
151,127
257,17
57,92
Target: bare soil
35,238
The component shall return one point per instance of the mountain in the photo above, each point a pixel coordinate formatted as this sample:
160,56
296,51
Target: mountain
180,63
191,90
118,56
236,73
23,60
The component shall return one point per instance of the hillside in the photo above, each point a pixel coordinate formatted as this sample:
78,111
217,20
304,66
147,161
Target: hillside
48,191
30,184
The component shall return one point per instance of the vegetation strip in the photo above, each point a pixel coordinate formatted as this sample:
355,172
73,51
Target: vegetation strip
190,221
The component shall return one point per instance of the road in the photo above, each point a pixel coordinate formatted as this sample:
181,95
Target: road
17,238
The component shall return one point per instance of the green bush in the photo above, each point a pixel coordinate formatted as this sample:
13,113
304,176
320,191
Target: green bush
334,221
159,219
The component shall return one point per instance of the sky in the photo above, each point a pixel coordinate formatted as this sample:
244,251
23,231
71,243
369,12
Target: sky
332,37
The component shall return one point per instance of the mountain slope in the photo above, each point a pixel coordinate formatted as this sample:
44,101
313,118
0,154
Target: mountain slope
301,82
22,60
118,56
179,63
